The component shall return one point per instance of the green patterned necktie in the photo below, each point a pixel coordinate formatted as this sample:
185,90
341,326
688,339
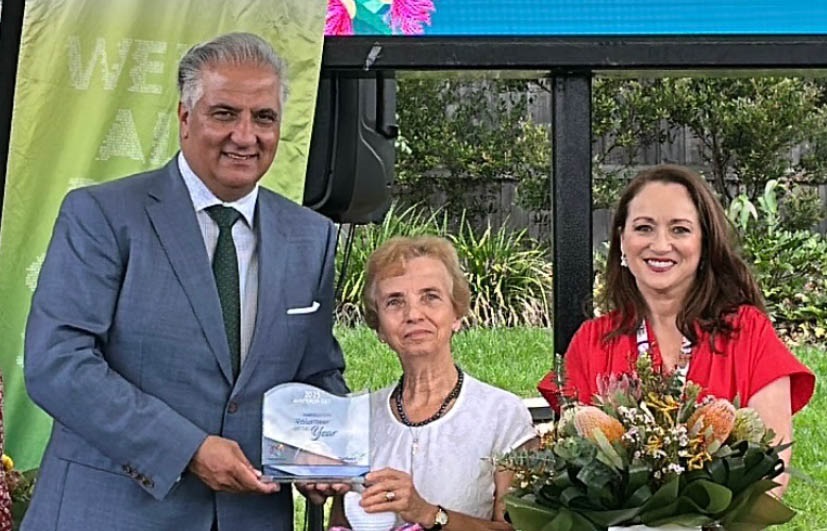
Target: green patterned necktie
225,269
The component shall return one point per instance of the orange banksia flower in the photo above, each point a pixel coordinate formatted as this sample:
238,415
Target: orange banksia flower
587,419
713,422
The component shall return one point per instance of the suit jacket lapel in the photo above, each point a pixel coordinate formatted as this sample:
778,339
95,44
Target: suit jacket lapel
273,247
173,218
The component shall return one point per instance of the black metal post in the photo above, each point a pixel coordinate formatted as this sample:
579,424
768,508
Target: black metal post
571,190
11,24
315,516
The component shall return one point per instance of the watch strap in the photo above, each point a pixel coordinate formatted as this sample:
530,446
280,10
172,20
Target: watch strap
440,519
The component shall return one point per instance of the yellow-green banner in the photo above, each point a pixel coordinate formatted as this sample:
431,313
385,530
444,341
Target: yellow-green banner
96,99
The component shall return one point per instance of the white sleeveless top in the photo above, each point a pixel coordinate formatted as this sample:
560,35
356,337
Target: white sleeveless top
449,457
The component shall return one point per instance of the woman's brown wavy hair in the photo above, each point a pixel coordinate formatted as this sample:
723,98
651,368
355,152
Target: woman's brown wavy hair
723,281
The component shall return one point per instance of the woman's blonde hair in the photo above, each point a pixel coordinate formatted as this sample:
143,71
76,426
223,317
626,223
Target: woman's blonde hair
390,260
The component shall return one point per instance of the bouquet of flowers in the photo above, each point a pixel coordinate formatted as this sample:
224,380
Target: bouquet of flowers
651,452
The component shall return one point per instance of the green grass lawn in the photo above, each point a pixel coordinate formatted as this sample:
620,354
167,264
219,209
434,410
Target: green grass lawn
809,498
516,359
511,358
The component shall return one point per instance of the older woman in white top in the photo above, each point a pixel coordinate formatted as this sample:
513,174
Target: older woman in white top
435,430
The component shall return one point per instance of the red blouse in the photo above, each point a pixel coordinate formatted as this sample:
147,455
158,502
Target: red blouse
744,363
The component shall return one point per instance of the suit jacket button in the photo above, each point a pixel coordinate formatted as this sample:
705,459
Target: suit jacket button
232,407
148,483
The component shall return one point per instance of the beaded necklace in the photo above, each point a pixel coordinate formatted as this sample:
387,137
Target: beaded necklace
400,409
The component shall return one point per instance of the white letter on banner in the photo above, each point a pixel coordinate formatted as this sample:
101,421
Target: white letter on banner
122,139
144,66
160,139
80,76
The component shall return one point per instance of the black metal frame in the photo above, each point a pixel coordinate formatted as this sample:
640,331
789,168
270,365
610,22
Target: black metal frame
791,52
571,190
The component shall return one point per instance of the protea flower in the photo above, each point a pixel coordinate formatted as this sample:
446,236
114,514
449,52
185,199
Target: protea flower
408,16
618,390
713,422
748,425
339,19
588,419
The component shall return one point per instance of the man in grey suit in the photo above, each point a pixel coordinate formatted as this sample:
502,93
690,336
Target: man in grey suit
168,303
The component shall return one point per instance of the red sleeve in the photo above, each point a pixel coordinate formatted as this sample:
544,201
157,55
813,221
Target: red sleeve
769,359
579,376
575,373
586,357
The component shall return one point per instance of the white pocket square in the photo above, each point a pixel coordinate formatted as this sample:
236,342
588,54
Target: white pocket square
306,309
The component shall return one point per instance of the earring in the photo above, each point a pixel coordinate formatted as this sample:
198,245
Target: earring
623,261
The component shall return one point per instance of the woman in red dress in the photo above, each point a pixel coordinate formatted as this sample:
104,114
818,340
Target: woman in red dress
676,287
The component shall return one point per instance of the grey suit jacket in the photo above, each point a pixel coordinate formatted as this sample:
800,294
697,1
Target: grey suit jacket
126,349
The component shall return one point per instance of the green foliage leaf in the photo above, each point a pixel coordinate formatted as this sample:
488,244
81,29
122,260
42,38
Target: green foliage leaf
607,454
527,515
754,509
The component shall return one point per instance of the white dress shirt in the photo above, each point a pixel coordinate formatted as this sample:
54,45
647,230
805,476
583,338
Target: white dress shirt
244,236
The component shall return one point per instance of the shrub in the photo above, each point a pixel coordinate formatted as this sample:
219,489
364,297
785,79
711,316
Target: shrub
789,265
508,272
510,277
599,258
459,133
799,205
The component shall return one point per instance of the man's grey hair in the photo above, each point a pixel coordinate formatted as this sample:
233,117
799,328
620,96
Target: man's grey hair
229,49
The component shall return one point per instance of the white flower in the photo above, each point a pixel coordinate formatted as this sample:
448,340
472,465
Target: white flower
544,428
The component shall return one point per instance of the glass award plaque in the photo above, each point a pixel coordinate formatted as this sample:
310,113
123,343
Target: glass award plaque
309,434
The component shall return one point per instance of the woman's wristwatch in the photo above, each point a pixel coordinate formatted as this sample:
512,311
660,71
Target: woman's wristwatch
440,520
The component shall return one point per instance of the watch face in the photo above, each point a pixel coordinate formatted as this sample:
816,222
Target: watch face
441,517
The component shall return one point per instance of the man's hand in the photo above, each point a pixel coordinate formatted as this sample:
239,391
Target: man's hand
222,466
317,493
